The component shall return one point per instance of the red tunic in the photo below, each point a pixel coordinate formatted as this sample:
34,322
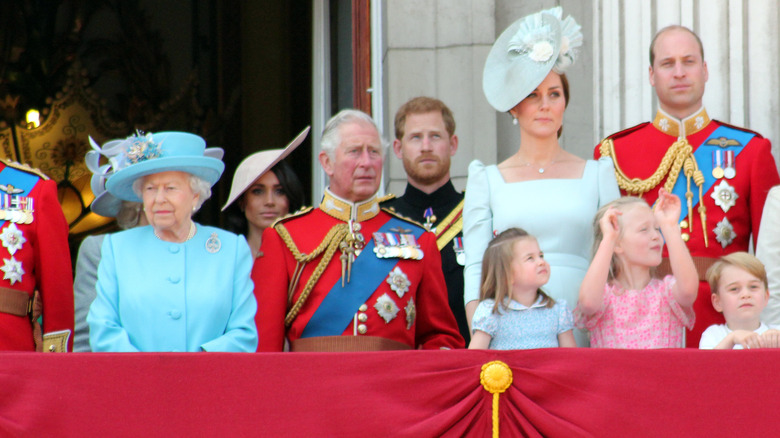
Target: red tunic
433,326
45,259
639,151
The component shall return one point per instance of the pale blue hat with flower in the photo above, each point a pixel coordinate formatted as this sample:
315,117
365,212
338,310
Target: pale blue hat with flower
524,55
146,154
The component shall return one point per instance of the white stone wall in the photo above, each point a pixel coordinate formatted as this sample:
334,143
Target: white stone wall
438,48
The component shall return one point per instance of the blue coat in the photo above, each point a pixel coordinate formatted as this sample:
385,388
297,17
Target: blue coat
161,296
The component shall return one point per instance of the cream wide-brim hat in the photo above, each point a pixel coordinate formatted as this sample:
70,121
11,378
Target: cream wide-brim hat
520,59
178,151
255,165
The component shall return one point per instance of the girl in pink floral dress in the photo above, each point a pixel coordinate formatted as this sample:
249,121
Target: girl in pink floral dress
620,301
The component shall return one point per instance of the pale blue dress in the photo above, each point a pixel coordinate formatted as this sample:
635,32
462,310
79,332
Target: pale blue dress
521,328
558,212
154,295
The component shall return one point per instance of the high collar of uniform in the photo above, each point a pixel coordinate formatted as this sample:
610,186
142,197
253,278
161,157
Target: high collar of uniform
347,210
420,199
690,125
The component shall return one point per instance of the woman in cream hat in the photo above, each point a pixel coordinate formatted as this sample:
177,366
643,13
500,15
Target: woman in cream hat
542,188
173,285
265,196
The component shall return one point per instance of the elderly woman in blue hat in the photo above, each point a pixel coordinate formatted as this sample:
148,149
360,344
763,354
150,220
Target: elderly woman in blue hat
541,188
173,285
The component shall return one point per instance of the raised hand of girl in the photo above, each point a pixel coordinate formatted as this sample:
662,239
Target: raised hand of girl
667,213
667,208
610,227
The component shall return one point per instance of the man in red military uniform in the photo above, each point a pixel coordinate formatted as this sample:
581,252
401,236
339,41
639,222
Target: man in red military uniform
720,172
350,276
34,237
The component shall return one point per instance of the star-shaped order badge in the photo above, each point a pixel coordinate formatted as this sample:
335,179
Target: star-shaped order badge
386,307
724,232
398,281
12,238
13,270
725,196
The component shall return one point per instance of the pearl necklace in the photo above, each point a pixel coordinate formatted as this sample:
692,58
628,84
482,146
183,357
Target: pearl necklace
191,234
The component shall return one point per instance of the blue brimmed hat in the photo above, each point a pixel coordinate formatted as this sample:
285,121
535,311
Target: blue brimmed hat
147,154
524,55
106,204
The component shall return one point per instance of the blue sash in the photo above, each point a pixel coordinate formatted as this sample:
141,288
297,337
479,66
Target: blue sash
368,271
703,155
19,179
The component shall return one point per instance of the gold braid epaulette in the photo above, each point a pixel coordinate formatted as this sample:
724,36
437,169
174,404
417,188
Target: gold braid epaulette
24,167
391,211
328,246
670,164
387,197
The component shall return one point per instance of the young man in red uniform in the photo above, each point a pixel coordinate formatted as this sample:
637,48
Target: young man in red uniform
348,275
35,257
721,173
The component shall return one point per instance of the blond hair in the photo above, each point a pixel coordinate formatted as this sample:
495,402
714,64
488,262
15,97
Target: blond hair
497,269
620,204
740,260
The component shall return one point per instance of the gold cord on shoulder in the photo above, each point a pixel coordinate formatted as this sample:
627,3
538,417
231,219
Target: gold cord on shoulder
328,246
670,165
678,157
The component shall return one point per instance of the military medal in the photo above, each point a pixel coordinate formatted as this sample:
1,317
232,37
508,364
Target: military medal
409,247
717,169
401,246
16,209
213,245
386,308
724,195
13,270
724,232
12,238
460,252
411,313
430,219
380,245
398,282
730,172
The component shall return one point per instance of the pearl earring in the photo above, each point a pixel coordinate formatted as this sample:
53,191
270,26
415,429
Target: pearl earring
514,121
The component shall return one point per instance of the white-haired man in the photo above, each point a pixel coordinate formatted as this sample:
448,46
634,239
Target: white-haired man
349,276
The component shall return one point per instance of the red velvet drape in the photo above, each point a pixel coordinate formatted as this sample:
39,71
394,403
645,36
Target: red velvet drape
555,392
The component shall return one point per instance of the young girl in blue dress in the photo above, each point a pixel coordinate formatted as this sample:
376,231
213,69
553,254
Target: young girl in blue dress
514,313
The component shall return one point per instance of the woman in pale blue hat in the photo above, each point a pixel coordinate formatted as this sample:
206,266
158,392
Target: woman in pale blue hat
173,285
542,188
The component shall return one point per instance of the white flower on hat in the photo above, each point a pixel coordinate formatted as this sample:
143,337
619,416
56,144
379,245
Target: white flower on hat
542,51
